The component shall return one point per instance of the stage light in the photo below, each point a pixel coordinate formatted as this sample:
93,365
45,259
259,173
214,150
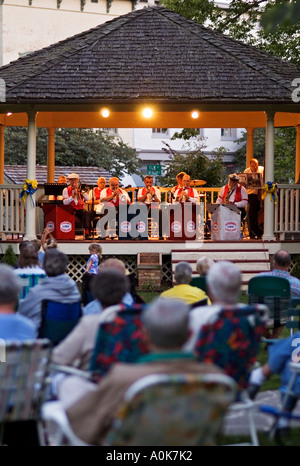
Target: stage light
195,114
147,112
105,112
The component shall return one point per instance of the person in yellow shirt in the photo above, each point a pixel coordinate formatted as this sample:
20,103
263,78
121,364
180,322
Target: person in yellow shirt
183,290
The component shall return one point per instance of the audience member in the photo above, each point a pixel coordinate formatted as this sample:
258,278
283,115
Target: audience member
48,241
280,354
203,264
166,327
281,266
109,287
12,326
28,268
183,290
130,298
57,286
223,283
38,243
92,268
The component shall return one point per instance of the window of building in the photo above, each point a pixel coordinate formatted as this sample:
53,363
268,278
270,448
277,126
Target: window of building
159,132
228,134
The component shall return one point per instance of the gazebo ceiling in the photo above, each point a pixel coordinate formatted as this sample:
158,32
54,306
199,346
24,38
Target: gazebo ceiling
152,57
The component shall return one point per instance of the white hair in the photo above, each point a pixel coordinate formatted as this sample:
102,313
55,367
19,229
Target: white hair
203,265
224,282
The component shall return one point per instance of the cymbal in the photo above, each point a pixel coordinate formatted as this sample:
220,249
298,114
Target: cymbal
164,190
198,182
131,189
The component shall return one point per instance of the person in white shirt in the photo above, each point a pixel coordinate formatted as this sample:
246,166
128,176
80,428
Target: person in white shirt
233,193
186,193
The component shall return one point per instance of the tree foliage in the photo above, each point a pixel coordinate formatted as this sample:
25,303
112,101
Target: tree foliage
77,147
242,20
194,162
284,153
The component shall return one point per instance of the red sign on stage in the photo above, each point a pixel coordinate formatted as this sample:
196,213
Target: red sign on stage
60,220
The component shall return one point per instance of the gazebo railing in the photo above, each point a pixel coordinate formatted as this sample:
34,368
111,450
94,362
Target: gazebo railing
286,215
286,211
12,216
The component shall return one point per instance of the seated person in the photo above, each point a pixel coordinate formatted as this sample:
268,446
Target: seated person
186,193
114,194
28,269
233,193
183,290
166,327
57,286
179,185
75,197
12,326
150,195
94,194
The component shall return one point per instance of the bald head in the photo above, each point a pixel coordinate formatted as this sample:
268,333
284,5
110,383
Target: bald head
282,260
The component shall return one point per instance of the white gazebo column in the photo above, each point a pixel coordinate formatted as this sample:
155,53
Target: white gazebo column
51,156
297,166
30,218
249,151
2,128
268,234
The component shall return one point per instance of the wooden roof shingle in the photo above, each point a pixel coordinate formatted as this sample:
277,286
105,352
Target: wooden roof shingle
152,53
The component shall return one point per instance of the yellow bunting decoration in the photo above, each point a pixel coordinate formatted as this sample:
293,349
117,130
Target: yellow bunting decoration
29,187
271,189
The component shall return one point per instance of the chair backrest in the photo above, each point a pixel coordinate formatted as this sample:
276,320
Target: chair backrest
23,379
177,409
231,340
272,291
58,319
294,313
199,282
121,340
28,281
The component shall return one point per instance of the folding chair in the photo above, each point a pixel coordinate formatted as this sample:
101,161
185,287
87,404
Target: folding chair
288,394
58,319
161,410
199,282
23,383
294,313
121,340
274,292
231,341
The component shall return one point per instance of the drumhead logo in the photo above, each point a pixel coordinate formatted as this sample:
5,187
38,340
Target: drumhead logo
126,227
176,227
65,227
215,227
190,226
230,226
141,227
50,226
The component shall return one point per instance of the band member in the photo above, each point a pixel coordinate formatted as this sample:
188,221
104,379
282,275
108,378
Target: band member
114,194
75,197
149,193
254,199
186,193
94,194
179,185
233,193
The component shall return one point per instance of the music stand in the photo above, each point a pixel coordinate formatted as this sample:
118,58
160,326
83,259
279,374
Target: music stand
250,180
54,189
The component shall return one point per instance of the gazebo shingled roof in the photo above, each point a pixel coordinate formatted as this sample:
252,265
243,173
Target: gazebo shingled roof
139,56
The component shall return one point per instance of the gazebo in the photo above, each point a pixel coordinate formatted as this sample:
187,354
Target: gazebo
188,75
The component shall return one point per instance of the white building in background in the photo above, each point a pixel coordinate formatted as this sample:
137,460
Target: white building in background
28,25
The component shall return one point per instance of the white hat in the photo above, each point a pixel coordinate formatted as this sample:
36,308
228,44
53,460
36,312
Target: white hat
73,175
234,177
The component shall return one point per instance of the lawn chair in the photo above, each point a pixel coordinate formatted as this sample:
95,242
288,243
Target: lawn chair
199,282
23,384
232,341
161,410
294,313
58,319
121,340
274,292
